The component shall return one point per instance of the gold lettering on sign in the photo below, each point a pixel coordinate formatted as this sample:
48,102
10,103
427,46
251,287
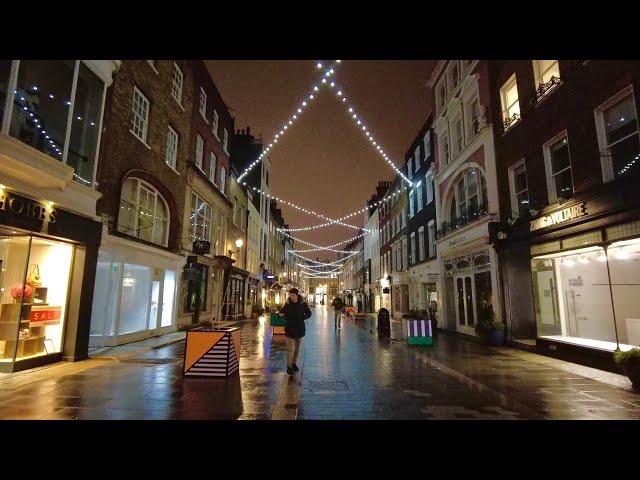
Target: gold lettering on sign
559,216
27,208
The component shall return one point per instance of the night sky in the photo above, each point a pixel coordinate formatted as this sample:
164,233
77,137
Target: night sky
324,162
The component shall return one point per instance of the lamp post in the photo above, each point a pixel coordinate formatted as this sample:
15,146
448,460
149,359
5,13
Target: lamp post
390,296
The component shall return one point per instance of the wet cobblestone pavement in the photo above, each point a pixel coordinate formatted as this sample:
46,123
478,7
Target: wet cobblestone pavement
345,374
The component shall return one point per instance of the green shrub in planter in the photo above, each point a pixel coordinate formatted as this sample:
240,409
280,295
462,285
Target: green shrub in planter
488,329
630,363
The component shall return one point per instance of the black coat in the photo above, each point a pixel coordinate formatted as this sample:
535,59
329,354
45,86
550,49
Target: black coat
294,316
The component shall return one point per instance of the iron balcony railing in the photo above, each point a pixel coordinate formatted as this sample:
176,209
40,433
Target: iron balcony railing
472,215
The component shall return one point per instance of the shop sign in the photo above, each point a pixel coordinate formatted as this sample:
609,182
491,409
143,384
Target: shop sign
23,207
48,315
559,216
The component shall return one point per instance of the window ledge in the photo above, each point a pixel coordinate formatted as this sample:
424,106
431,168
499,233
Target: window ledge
139,139
178,102
172,168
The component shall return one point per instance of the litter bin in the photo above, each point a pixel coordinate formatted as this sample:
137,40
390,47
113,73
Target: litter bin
384,324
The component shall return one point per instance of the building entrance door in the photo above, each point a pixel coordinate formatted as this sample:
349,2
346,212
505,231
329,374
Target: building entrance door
465,304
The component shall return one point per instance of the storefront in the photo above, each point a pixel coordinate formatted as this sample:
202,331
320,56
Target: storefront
584,277
423,287
135,292
47,267
235,294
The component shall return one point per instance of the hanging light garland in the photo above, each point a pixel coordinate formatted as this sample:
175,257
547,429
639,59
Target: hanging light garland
362,127
326,246
323,263
301,108
310,212
349,215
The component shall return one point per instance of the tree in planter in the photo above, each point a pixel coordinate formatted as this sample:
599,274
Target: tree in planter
630,363
487,327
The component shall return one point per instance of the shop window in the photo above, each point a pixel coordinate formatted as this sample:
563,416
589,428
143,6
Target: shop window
572,297
103,311
168,298
624,264
34,286
618,136
196,291
134,298
143,212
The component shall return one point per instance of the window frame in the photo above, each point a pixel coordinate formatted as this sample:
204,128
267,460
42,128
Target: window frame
145,129
212,172
515,210
197,214
417,158
199,153
426,140
508,121
171,133
176,90
538,75
431,227
444,142
421,244
606,161
215,122
419,205
225,140
223,179
546,149
157,195
428,178
413,248
202,106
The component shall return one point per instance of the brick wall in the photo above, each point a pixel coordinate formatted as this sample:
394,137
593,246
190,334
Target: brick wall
121,152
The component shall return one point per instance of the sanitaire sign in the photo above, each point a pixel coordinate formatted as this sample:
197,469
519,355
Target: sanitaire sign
559,216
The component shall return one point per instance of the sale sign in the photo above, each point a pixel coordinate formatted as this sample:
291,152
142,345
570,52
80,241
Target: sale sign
46,315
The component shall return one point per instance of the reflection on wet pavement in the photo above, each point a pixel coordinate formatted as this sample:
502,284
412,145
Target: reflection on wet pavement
345,374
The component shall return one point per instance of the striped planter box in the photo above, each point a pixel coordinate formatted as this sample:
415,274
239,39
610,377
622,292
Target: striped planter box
419,332
212,353
278,323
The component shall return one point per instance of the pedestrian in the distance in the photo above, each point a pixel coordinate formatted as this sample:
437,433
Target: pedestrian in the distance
337,305
295,312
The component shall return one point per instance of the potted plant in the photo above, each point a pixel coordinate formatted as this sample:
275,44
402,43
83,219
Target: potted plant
488,329
630,363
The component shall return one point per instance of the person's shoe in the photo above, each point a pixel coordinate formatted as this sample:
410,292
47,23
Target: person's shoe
295,367
289,371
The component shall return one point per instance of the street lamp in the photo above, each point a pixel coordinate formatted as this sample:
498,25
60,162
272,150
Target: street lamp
239,244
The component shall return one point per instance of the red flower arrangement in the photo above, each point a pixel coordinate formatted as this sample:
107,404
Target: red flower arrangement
18,290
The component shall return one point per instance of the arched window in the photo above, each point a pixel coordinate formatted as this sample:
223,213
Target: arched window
469,199
143,212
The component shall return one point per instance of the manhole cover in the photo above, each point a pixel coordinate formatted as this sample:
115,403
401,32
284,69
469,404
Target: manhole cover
328,386
150,361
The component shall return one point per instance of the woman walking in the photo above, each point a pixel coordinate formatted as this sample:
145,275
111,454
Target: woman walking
295,312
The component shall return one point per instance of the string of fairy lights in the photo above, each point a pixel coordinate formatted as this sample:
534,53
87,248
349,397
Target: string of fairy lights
301,108
315,268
